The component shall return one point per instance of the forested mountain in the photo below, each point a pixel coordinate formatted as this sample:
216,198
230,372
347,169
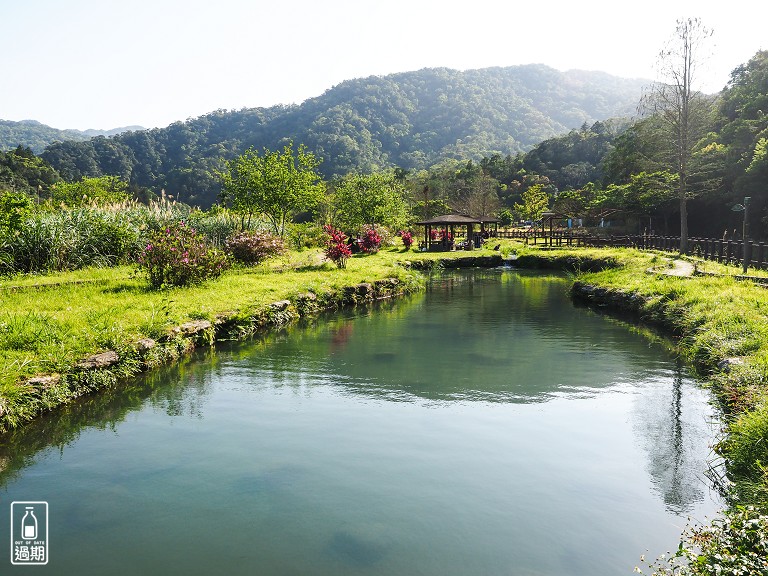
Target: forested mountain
36,136
612,168
411,120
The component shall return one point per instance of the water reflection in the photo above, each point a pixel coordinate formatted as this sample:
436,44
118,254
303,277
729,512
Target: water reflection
516,338
510,337
180,390
669,423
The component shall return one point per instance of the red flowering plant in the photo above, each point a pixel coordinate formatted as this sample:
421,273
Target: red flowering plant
407,238
178,256
370,241
439,234
336,248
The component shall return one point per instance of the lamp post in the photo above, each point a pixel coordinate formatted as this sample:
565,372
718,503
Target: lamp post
744,230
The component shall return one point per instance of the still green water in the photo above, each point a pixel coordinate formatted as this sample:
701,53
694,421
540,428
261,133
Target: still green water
485,427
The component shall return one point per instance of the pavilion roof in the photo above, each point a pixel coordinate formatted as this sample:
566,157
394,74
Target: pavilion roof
450,219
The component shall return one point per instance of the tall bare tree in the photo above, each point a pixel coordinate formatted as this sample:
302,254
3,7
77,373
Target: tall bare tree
683,112
480,200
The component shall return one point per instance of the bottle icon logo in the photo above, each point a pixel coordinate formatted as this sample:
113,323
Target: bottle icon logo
29,524
29,533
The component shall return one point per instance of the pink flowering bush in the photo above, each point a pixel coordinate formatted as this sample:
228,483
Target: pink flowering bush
252,247
336,248
370,241
407,238
178,256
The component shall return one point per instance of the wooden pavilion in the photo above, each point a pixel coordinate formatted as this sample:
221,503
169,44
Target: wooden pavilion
440,231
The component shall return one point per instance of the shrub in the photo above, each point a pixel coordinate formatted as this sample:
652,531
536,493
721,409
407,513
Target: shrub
336,248
14,208
440,234
370,241
252,247
746,451
305,235
407,239
103,190
178,256
737,543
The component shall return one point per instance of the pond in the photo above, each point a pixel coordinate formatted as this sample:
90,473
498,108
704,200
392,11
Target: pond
486,426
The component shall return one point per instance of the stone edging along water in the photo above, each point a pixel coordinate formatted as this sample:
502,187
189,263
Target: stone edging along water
107,368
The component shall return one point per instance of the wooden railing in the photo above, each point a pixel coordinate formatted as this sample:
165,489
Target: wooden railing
723,251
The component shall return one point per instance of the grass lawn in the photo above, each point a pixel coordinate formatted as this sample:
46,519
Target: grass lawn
48,323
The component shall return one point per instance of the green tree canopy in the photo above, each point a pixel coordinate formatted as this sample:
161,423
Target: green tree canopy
535,201
22,171
101,190
589,201
743,129
14,208
360,200
274,185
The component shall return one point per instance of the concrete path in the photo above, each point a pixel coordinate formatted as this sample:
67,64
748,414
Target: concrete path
681,268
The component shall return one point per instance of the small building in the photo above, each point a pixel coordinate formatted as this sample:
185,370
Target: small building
440,231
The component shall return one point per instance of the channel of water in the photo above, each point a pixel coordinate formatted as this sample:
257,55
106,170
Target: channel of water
485,426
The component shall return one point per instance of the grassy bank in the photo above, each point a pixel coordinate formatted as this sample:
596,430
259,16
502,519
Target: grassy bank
49,324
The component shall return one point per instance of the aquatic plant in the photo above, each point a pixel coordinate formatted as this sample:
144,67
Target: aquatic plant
736,543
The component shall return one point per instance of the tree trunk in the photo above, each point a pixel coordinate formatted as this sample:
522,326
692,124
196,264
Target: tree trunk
683,226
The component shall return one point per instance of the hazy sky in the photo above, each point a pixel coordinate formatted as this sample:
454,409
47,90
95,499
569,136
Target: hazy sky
109,63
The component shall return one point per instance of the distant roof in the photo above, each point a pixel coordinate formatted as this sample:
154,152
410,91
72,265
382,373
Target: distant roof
549,214
450,219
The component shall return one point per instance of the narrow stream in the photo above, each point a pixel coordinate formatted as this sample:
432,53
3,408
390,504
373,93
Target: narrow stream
487,426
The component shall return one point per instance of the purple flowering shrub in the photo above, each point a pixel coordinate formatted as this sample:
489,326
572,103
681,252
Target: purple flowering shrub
252,247
179,256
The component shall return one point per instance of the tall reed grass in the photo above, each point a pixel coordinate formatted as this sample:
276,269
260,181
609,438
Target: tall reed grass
93,235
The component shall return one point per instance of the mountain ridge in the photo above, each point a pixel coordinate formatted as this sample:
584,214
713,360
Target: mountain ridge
36,136
407,119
